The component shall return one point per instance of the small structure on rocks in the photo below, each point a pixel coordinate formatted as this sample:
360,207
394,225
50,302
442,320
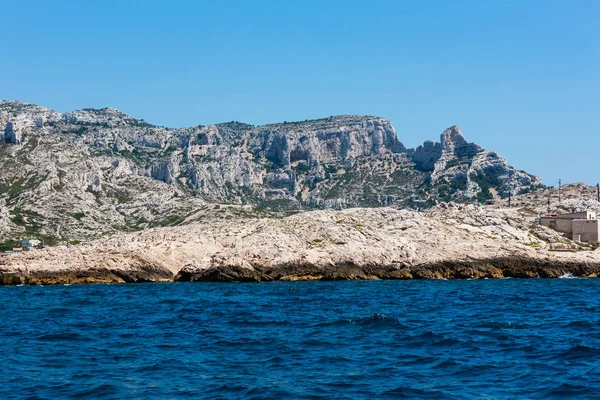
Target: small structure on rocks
578,226
31,244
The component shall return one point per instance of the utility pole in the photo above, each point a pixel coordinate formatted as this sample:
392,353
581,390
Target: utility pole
548,205
509,195
559,190
598,191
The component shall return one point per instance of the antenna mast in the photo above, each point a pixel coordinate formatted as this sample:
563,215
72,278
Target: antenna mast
559,187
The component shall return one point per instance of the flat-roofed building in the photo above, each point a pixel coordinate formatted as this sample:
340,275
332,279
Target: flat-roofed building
579,226
578,215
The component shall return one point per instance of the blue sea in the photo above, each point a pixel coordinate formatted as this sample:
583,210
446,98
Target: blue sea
490,339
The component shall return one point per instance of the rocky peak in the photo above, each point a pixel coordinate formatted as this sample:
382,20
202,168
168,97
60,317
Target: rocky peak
19,117
454,144
103,116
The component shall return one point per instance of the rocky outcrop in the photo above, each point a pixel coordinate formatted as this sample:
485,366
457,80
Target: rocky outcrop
455,145
84,275
166,170
324,141
105,116
434,156
464,170
491,268
426,155
11,134
231,243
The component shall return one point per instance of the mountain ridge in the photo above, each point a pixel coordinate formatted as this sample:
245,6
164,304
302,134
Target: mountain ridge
91,172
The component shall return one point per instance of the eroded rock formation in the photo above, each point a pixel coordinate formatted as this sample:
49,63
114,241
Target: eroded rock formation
93,172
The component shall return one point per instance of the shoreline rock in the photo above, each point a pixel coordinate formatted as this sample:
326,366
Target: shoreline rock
94,275
493,268
474,269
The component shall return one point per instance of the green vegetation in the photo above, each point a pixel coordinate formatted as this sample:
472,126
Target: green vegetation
12,189
80,131
7,245
485,182
421,166
121,195
459,161
18,219
301,168
590,245
31,229
332,169
448,189
171,220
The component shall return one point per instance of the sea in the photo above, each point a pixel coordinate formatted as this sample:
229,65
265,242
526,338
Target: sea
434,339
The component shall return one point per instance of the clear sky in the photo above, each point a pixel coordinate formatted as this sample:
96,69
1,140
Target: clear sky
520,77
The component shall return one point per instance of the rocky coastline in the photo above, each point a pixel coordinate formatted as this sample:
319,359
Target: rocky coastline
224,245
473,269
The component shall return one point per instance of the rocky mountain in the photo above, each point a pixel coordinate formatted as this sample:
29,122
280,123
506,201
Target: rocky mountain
93,172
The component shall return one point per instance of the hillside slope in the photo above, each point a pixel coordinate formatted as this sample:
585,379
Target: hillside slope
93,172
233,243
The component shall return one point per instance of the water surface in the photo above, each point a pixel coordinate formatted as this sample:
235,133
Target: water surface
387,339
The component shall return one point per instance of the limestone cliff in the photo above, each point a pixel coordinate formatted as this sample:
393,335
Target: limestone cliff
93,172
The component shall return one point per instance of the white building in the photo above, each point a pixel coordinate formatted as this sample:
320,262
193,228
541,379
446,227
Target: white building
31,244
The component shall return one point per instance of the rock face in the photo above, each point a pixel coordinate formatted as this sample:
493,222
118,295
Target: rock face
93,172
324,141
11,135
237,243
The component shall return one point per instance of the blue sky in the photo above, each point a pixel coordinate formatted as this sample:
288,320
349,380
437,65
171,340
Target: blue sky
519,77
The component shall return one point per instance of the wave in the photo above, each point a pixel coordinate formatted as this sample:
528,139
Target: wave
431,338
61,310
98,391
580,353
580,324
414,393
447,364
373,321
570,390
62,337
569,275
